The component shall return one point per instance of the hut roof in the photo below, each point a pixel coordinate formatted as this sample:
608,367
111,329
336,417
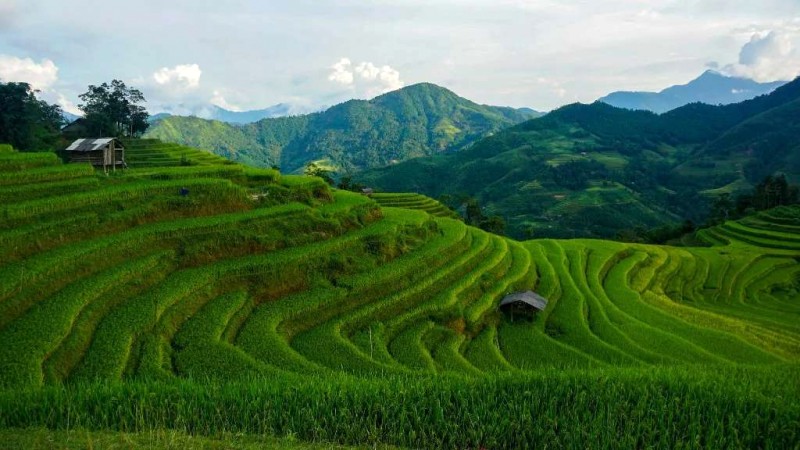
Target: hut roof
91,145
529,297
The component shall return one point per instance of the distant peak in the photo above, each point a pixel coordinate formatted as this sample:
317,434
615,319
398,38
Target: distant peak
711,73
419,89
424,86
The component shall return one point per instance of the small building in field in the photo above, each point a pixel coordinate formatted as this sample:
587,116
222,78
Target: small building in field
367,191
524,304
108,153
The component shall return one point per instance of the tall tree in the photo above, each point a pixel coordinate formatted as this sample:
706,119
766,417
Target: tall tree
114,110
313,170
26,122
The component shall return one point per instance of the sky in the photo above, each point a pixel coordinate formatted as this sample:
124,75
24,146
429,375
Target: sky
241,55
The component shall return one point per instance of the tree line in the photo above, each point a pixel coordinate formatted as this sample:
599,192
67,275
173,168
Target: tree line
31,124
773,191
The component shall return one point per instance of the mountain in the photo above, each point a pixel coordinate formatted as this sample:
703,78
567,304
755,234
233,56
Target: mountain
711,88
598,171
242,117
69,117
419,120
156,117
214,112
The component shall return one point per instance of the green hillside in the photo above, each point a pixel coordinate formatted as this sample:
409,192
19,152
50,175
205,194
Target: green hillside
595,170
216,298
419,120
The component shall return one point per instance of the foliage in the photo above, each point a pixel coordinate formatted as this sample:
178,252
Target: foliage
27,123
598,171
114,110
771,192
665,408
313,170
419,120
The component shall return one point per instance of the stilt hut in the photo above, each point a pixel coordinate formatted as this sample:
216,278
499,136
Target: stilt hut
525,304
107,153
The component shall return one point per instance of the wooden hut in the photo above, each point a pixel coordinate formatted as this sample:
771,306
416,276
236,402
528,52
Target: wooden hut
107,153
523,303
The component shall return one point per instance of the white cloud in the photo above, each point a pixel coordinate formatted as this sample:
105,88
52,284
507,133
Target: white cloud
342,72
388,79
366,78
184,76
40,76
67,105
766,57
219,100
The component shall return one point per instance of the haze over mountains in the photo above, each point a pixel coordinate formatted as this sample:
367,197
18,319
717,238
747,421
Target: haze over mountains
418,120
712,88
214,112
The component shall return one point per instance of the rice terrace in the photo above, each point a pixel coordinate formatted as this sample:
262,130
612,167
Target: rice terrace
333,317
377,262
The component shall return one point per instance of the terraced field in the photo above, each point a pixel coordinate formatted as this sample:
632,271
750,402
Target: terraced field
142,153
213,271
414,201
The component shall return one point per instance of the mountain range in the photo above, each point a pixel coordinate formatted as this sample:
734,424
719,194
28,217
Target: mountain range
582,170
597,171
214,112
711,87
419,120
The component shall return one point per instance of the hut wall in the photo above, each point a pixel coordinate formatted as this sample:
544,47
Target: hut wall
95,158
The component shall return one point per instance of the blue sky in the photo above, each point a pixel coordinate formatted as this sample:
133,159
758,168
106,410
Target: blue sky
252,54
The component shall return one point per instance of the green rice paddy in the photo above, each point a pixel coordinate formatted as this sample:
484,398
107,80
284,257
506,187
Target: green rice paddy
190,295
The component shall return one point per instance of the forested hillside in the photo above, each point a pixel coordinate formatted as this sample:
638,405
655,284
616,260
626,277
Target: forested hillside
419,120
596,170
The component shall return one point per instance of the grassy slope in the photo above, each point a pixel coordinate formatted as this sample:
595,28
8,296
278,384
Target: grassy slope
419,120
348,307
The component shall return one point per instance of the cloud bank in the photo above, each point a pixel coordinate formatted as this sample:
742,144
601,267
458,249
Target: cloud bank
218,99
182,76
768,56
42,75
366,79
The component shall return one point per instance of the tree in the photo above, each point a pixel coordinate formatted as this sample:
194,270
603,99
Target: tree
493,224
346,182
774,191
114,110
26,122
313,170
474,212
475,217
721,208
